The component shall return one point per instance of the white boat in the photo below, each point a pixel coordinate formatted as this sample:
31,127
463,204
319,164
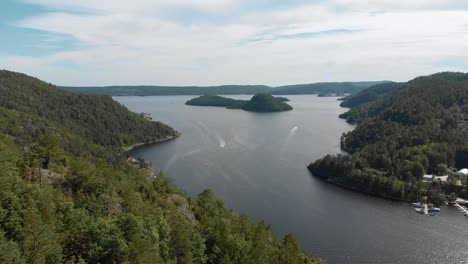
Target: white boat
434,209
418,205
419,210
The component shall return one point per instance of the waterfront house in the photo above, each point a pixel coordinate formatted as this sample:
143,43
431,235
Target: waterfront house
428,177
441,178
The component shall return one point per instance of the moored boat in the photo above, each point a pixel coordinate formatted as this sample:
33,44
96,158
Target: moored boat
419,210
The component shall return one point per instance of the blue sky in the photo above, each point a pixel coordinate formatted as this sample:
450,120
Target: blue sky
210,42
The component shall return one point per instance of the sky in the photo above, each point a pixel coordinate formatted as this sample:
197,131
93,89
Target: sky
213,42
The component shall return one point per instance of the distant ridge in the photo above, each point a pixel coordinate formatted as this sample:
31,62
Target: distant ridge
149,90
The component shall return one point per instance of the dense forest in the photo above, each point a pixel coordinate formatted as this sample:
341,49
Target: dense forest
369,95
419,127
266,103
258,103
67,196
313,88
98,118
216,100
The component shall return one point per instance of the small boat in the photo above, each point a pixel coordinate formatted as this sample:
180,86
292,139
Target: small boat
434,209
419,210
418,205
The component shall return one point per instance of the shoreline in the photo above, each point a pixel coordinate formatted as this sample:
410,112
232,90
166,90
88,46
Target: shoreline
330,180
140,144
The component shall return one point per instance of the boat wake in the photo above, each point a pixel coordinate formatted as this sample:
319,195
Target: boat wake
222,142
293,130
176,157
290,135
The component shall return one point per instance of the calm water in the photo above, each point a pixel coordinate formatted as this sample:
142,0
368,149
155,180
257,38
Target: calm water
257,164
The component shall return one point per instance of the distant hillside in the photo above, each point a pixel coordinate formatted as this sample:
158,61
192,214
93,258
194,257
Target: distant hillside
370,94
420,127
171,90
258,103
325,88
315,88
98,118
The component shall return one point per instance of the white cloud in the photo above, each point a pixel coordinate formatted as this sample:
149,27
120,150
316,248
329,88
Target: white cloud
128,44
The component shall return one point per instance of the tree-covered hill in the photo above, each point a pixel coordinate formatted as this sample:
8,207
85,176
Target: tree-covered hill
258,103
216,100
98,118
370,94
419,128
63,201
266,103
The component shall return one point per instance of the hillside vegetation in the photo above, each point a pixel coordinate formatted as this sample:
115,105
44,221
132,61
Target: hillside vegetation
369,95
98,118
421,127
266,103
66,196
216,100
258,103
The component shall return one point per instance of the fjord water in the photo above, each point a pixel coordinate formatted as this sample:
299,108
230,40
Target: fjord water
256,163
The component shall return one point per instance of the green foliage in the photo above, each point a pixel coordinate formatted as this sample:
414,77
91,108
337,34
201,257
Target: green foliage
215,100
258,103
57,206
417,128
96,118
266,103
370,94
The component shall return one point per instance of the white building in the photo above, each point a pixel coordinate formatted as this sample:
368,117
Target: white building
428,177
441,178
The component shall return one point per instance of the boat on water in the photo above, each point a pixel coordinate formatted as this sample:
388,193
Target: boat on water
419,210
418,205
422,211
434,209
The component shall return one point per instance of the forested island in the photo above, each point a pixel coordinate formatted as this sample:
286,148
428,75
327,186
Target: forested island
258,103
405,131
69,195
149,90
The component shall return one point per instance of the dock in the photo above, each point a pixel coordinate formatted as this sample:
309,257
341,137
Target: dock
461,208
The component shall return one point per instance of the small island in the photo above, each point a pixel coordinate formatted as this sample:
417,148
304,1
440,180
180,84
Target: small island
259,103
